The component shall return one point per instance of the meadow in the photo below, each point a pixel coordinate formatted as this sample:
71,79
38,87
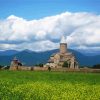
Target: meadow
39,85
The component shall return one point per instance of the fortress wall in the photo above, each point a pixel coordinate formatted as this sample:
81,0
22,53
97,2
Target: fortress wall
76,70
40,68
86,70
24,68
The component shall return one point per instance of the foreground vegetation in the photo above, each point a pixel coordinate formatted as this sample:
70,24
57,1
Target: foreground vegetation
31,85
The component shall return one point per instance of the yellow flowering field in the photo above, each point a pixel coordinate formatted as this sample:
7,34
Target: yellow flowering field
32,85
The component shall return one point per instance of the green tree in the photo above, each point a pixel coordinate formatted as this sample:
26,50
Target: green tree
97,66
65,64
1,66
41,65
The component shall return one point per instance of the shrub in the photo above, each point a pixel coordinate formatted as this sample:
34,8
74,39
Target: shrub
65,64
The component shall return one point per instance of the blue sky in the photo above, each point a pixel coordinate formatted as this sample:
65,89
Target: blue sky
35,9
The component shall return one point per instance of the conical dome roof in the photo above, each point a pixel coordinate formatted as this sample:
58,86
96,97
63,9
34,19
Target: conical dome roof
63,40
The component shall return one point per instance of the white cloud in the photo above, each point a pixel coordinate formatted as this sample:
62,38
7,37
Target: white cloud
82,29
35,46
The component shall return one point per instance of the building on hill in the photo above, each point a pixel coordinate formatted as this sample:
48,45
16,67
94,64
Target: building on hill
57,60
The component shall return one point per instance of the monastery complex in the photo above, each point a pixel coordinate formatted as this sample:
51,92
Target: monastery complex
58,59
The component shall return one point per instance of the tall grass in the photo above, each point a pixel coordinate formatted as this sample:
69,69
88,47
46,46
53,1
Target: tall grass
32,85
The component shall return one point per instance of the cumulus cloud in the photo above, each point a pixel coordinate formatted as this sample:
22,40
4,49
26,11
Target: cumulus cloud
82,30
34,46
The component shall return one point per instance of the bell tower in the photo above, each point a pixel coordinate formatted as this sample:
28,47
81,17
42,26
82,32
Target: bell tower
63,45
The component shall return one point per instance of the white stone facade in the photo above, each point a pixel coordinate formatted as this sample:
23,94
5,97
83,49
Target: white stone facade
57,60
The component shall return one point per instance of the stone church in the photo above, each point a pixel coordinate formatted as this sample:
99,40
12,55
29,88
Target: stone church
15,64
58,59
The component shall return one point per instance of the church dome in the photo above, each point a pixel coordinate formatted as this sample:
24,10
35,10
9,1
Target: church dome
63,40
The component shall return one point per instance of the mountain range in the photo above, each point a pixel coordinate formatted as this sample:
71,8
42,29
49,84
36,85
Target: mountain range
30,58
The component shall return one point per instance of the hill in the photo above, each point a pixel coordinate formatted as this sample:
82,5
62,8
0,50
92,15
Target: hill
31,58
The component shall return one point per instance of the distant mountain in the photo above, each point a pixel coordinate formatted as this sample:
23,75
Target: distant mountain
28,57
8,52
89,52
29,51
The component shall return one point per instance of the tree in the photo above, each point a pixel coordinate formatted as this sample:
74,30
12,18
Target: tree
39,65
1,66
65,64
97,66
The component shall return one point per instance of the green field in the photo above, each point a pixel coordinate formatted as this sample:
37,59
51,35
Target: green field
32,85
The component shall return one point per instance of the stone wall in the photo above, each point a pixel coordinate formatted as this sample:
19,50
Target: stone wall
40,68
20,68
86,70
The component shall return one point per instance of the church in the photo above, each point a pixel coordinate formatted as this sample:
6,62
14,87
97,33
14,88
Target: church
57,60
15,64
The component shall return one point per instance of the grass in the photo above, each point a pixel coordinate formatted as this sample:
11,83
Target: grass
32,85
